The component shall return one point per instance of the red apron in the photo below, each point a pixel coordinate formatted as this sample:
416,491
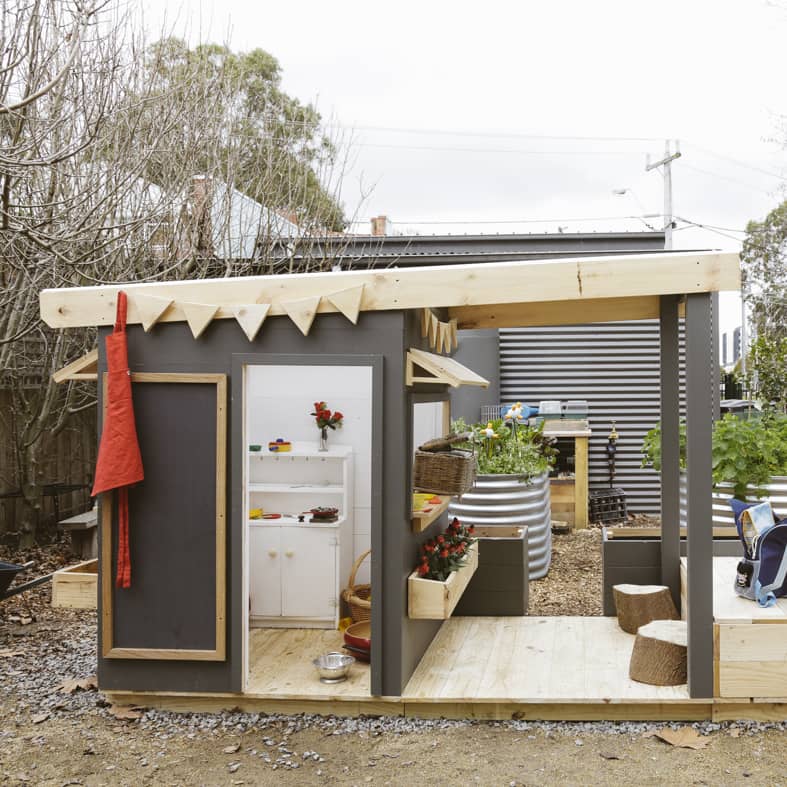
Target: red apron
119,461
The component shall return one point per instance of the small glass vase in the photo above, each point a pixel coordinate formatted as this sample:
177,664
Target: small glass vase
323,439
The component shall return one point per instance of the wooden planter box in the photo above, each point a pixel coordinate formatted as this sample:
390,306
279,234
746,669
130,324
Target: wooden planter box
76,586
429,599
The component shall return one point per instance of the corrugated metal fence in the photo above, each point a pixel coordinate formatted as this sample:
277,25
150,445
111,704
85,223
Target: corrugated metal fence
615,367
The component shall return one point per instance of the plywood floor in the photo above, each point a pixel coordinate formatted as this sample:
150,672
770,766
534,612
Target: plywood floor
554,659
566,659
280,665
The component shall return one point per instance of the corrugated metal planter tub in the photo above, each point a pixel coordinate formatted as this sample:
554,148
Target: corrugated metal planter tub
775,492
506,500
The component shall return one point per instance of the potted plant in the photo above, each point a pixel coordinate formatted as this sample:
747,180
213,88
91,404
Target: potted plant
512,485
749,454
446,564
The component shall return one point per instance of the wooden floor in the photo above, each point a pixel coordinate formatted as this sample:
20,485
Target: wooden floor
556,659
565,659
481,668
280,666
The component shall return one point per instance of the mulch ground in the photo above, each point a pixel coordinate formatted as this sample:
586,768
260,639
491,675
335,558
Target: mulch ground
573,584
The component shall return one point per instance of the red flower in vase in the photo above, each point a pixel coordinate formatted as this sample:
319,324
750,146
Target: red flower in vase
325,418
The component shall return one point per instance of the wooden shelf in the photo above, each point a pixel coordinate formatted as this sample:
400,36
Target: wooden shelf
428,599
332,489
422,519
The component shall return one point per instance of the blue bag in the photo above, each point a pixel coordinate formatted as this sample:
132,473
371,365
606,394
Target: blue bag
762,574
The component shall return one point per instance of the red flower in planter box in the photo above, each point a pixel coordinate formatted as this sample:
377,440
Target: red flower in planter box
445,554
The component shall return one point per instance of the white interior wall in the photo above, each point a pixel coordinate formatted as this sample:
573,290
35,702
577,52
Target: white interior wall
278,404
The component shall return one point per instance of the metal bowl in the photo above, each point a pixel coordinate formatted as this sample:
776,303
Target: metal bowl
333,667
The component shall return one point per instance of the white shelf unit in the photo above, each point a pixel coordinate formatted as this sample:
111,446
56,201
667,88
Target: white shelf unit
296,567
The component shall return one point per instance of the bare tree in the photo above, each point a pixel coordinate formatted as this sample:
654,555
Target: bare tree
99,152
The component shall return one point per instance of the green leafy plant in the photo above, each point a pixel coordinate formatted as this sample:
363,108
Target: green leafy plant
508,448
747,452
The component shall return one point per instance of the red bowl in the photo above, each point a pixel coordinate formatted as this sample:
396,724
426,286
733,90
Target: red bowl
359,635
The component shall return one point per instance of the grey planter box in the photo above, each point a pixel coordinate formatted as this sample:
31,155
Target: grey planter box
638,561
500,585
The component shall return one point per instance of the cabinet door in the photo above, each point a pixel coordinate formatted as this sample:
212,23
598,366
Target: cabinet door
309,588
265,570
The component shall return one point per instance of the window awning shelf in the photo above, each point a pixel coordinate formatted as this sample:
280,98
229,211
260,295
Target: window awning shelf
426,367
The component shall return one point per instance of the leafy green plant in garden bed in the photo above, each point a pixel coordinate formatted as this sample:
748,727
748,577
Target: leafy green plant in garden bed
508,448
747,453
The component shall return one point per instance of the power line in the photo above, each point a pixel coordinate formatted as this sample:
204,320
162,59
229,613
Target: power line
724,177
491,134
771,173
445,149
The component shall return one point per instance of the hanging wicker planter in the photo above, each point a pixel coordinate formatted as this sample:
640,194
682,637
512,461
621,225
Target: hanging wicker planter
444,470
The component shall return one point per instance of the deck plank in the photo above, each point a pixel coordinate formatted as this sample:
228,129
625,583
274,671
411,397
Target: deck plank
281,666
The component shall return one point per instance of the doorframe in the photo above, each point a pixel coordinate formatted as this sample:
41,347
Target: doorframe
238,464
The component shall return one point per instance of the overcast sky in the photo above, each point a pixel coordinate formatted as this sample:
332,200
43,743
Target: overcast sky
523,116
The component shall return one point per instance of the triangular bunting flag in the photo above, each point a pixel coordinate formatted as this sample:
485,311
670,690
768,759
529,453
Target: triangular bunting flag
348,302
425,320
198,316
250,317
443,339
433,330
302,312
150,308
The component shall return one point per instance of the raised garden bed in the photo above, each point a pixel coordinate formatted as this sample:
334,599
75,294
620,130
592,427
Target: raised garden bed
76,586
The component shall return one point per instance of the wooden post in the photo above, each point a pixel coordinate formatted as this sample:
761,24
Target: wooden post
580,482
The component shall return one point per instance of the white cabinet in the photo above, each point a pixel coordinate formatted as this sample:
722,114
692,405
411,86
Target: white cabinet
294,565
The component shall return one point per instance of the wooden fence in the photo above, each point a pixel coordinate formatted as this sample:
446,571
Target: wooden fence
67,459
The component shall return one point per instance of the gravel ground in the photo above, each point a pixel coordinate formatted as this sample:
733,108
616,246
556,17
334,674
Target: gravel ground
49,735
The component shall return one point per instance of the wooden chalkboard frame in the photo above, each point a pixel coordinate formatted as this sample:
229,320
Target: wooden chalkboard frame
108,650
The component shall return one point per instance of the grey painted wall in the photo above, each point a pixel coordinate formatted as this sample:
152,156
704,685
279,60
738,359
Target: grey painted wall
397,641
479,351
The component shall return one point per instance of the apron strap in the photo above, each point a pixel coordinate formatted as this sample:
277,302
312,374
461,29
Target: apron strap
120,314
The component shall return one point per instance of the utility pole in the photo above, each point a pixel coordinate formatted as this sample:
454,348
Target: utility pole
666,162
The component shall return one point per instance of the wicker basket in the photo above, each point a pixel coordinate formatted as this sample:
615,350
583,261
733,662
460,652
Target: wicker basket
445,472
358,596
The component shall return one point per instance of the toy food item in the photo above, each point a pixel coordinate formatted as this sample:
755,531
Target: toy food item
280,445
255,513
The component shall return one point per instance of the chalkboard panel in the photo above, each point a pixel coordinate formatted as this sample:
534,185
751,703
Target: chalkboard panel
175,607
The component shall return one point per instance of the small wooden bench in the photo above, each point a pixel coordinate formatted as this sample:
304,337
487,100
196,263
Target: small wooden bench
750,642
84,533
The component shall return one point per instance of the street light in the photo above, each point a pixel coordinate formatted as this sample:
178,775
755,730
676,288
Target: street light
626,190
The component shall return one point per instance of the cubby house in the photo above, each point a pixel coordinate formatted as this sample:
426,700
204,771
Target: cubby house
228,610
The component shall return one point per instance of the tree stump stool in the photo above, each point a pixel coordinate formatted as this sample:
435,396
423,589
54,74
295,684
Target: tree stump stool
659,654
637,605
